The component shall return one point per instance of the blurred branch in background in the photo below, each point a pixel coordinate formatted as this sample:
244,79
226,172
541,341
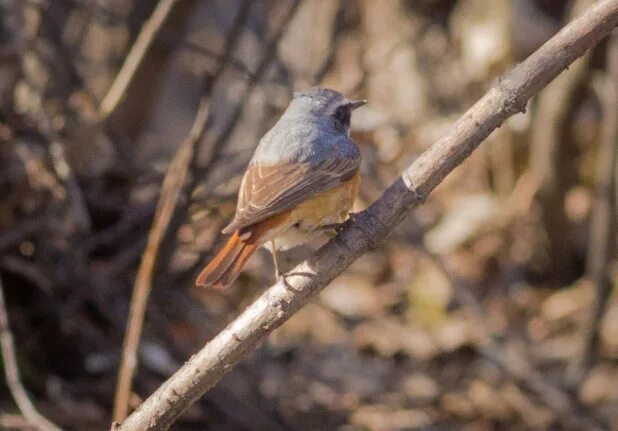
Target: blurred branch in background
602,240
552,162
11,373
370,228
134,57
171,191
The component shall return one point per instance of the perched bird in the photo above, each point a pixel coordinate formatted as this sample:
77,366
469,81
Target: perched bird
303,178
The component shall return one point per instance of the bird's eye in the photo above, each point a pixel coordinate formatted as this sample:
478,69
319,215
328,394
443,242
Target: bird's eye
342,116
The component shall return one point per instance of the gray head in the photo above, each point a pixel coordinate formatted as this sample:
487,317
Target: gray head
328,106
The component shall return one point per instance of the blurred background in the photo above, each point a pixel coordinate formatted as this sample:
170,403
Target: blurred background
490,308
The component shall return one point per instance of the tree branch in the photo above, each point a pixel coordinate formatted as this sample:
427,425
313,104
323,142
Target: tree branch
508,96
171,191
135,57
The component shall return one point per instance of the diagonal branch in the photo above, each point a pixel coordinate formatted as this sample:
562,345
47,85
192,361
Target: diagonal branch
135,57
508,96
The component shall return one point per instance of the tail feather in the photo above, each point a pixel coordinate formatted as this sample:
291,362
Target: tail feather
232,272
229,262
221,264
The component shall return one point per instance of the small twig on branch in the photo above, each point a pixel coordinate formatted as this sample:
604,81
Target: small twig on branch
370,228
171,191
603,217
134,58
11,372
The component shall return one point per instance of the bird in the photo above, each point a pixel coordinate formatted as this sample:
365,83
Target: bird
303,179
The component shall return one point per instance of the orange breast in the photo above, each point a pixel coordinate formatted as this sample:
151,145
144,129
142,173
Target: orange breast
329,207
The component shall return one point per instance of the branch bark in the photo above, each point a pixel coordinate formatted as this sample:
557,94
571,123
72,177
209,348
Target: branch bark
507,97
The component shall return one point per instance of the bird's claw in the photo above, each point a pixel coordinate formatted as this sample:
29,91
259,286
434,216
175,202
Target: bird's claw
282,277
333,226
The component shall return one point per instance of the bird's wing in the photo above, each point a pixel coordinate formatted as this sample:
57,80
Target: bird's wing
269,190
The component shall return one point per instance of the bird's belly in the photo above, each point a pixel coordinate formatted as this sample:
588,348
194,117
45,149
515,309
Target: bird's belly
328,207
305,220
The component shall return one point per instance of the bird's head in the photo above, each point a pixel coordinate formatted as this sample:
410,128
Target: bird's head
328,105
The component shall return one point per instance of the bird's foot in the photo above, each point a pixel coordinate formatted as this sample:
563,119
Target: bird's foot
282,277
333,226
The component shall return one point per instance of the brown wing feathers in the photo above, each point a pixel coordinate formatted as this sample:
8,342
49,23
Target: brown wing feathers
269,190
267,193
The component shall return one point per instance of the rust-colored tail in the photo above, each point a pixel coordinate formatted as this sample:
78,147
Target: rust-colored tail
227,264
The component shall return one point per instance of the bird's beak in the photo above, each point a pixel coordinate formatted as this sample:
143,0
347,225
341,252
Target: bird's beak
357,104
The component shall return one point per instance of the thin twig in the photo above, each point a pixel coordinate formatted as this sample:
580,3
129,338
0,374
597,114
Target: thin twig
269,54
171,190
603,218
11,372
170,38
135,57
370,228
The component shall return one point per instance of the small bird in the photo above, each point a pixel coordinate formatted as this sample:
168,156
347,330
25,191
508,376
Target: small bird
302,180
